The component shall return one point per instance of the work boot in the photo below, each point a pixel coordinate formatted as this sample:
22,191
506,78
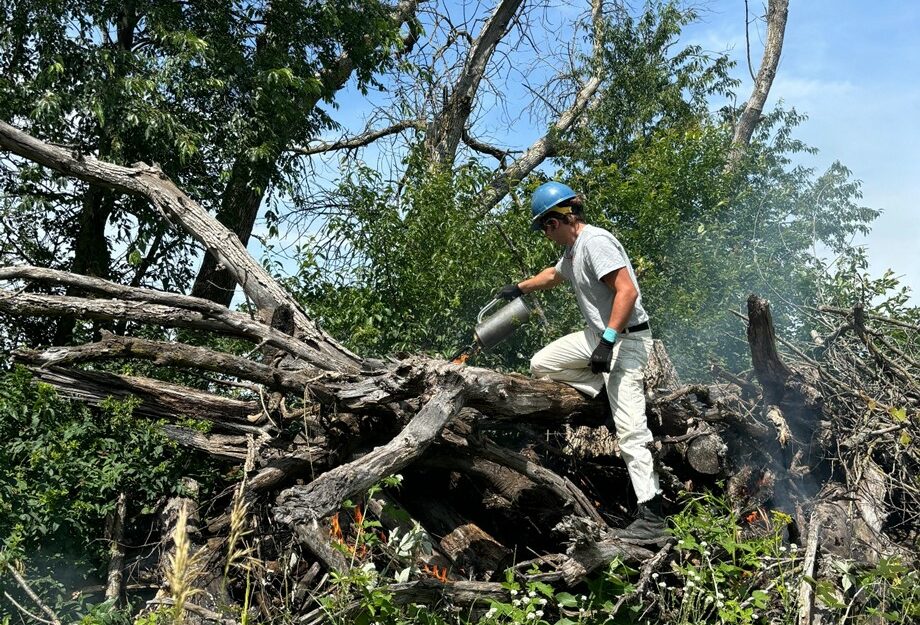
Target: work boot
649,526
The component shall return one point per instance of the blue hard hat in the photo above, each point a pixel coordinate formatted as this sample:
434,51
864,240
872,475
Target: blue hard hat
547,196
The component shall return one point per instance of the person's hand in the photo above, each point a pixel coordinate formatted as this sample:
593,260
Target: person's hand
510,292
603,353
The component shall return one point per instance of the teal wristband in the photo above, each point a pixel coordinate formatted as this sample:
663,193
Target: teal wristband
610,335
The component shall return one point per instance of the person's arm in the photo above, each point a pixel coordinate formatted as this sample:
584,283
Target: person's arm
546,279
624,298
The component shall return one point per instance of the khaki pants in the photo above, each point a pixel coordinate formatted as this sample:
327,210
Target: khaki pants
568,360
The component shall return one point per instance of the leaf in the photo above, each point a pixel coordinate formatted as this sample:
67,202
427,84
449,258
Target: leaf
898,414
566,600
905,438
403,575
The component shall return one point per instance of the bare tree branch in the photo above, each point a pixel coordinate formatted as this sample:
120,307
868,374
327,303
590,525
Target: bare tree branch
485,148
777,13
31,593
173,354
447,128
231,323
361,140
539,151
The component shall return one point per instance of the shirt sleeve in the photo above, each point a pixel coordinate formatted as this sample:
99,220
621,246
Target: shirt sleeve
561,270
603,257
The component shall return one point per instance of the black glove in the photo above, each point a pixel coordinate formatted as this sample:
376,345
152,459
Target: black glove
510,292
601,357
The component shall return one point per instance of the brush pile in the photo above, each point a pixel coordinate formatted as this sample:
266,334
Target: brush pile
443,476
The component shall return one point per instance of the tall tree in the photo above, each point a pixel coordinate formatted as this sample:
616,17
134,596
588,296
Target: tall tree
213,92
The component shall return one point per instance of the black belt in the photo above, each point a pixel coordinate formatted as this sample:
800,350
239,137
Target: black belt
637,328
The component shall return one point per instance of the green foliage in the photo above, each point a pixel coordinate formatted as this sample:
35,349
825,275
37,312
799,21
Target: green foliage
64,466
212,92
418,270
409,265
652,162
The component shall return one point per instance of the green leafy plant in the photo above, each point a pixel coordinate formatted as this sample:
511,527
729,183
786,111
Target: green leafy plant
64,467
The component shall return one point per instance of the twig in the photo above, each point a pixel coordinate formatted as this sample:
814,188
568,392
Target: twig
895,370
193,608
25,611
847,312
644,575
35,598
808,569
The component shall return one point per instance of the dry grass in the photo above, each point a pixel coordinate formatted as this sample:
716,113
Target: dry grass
184,567
238,553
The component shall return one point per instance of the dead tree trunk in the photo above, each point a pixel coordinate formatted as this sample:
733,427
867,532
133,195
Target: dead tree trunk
777,14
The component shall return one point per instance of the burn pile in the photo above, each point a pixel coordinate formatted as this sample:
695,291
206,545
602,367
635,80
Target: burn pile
495,471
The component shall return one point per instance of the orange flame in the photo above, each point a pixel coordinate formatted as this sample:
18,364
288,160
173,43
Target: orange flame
753,517
435,572
461,359
336,530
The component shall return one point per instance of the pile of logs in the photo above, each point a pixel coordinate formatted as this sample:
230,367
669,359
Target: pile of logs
497,470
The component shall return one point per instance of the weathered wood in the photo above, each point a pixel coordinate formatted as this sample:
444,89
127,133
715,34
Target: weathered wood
158,400
806,591
175,354
542,477
771,371
150,183
160,311
303,506
474,552
226,446
706,453
115,532
589,556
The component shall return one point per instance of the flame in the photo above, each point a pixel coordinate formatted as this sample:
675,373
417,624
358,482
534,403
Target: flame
753,517
461,359
435,572
359,516
336,530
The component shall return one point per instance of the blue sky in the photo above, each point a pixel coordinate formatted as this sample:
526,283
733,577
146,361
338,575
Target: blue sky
852,67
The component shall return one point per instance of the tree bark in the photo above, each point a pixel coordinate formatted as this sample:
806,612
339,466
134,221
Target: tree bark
115,586
777,13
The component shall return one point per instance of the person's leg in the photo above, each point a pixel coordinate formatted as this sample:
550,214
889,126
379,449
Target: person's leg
625,390
568,359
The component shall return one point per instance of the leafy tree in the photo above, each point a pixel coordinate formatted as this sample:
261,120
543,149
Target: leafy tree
652,162
212,92
651,159
417,271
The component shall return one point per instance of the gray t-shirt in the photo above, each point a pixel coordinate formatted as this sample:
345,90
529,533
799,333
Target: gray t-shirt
594,254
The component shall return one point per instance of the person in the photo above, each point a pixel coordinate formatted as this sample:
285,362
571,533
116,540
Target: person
612,350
